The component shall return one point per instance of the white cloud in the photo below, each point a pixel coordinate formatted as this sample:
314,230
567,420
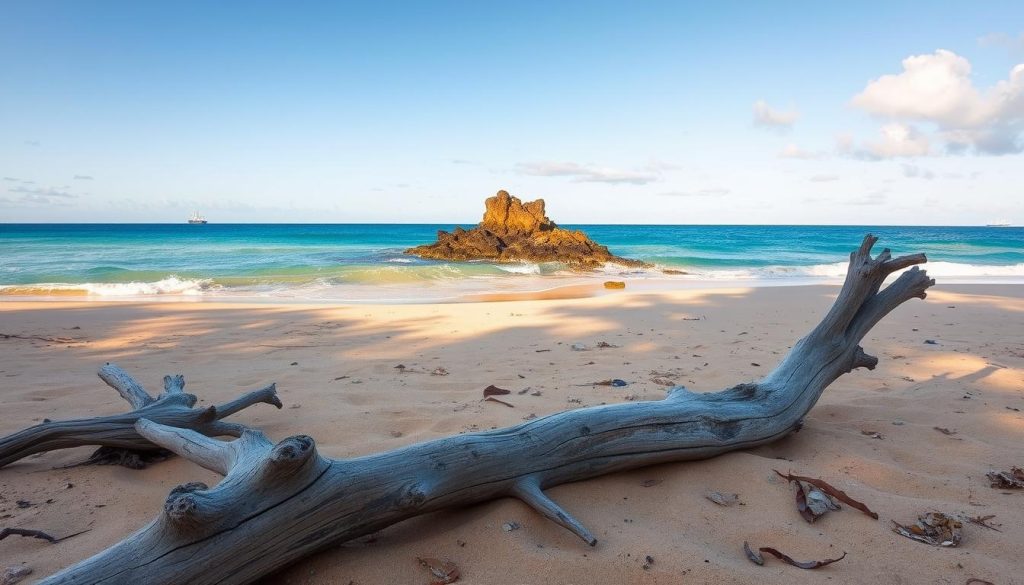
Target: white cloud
931,87
588,174
937,89
794,151
899,140
824,178
83,177
767,117
895,140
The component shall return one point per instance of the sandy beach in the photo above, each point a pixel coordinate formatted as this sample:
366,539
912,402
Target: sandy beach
337,372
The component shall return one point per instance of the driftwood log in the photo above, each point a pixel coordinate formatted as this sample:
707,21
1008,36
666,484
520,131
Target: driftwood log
173,407
279,503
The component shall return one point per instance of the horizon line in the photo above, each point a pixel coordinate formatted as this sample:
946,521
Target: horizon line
199,226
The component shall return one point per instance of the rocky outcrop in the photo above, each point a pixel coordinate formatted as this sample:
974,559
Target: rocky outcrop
513,231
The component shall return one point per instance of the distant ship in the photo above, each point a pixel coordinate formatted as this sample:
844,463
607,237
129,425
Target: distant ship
196,218
999,223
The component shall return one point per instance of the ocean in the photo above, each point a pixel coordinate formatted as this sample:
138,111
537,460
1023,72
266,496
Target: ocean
364,262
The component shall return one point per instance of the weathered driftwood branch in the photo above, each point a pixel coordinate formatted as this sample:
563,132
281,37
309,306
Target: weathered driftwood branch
173,407
278,503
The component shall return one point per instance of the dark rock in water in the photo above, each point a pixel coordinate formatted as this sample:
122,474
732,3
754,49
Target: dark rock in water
513,231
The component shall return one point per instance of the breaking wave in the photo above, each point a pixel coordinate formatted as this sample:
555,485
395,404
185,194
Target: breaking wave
520,268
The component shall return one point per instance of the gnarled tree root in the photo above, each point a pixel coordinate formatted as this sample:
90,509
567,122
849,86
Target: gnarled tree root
173,408
279,503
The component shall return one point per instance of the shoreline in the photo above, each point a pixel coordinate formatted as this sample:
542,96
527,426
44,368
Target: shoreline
575,288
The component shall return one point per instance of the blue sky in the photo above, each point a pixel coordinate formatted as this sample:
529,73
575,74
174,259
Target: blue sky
638,112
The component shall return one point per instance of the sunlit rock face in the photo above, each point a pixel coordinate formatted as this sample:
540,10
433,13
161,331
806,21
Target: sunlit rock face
513,231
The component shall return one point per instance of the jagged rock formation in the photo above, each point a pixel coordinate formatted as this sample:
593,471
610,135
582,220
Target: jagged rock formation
513,231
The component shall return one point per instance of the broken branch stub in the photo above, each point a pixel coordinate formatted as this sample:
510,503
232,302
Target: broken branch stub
279,503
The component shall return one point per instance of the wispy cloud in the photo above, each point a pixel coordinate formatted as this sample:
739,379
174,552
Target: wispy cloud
938,89
824,178
916,172
708,192
794,151
874,198
766,116
660,166
34,196
186,205
12,179
1013,44
83,177
33,143
41,200
815,199
43,192
588,174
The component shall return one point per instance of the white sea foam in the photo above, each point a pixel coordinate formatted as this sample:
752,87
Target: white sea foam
391,283
837,270
826,271
520,268
172,285
953,269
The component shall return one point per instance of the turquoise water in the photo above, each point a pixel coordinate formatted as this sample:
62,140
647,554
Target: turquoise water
365,262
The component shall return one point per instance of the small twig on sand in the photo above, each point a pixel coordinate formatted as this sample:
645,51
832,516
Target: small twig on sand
26,532
36,534
40,338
